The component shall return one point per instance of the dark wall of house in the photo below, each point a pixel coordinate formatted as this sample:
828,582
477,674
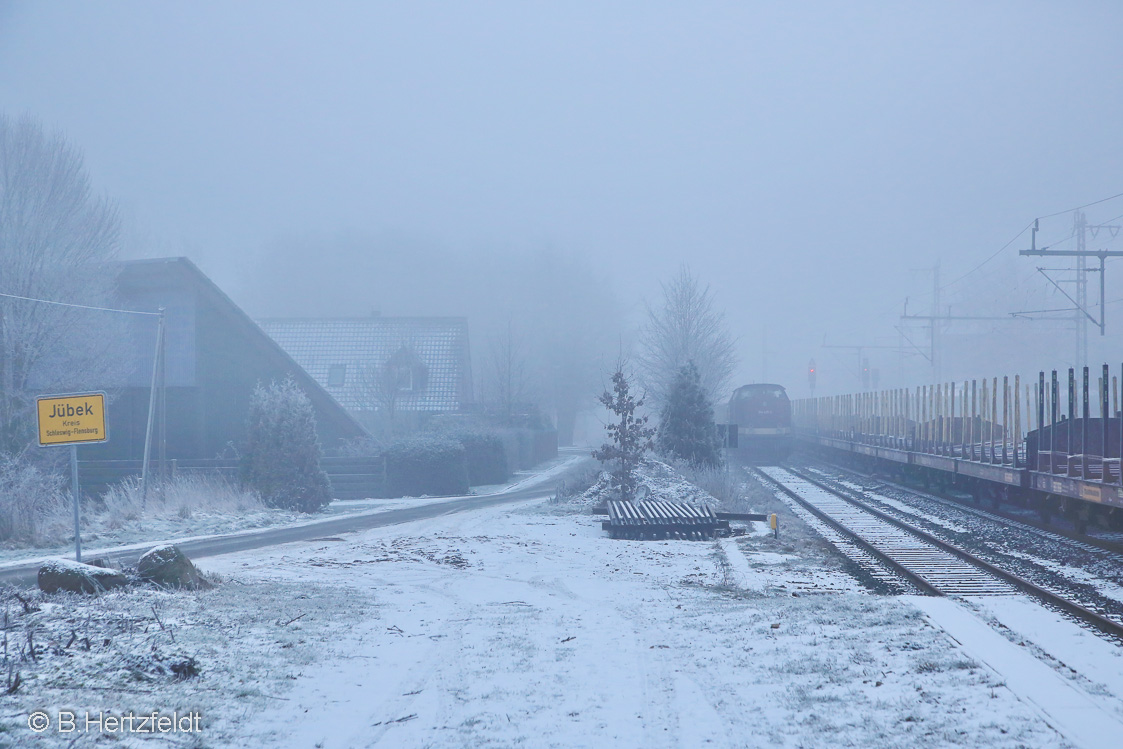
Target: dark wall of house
232,360
216,357
128,418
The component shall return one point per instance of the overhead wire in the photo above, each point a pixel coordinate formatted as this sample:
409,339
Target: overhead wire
80,306
1026,227
1012,240
991,257
1081,207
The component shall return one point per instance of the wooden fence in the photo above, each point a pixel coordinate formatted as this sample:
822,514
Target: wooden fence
351,478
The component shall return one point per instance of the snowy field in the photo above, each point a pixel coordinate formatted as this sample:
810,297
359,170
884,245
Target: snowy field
525,625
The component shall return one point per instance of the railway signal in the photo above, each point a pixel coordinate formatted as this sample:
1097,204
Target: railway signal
811,376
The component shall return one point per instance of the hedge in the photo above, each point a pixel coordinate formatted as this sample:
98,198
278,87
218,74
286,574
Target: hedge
432,466
487,457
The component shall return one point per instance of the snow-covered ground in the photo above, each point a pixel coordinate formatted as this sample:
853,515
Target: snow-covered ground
524,625
529,627
655,479
100,536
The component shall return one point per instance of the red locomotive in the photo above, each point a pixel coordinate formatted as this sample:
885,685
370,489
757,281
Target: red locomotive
762,414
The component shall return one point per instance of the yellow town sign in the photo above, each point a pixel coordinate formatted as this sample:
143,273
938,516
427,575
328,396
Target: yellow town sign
71,419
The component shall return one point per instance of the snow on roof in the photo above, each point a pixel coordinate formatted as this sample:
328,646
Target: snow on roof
337,352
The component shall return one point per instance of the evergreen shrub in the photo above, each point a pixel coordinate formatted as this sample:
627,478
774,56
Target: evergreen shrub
282,457
687,430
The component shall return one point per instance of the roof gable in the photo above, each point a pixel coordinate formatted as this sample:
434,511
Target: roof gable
137,279
434,348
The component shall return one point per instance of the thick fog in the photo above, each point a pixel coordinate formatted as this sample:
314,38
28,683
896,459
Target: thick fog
548,163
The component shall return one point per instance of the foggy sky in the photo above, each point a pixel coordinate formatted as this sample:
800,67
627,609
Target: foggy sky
807,160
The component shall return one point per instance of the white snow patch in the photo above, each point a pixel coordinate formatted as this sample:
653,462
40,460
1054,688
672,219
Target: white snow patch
517,626
662,483
1079,718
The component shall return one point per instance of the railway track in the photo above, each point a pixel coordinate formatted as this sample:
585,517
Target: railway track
1104,540
926,562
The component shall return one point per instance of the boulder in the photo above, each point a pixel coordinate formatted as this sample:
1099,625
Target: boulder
64,575
169,566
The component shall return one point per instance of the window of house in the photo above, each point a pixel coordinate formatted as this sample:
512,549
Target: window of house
337,375
404,379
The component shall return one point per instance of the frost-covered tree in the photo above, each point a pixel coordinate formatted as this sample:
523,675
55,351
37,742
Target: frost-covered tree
686,327
382,389
56,237
630,435
509,377
567,317
378,394
686,424
282,458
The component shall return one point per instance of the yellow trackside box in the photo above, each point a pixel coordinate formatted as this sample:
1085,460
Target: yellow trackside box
71,419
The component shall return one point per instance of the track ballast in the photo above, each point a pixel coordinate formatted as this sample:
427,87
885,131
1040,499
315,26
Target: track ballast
921,560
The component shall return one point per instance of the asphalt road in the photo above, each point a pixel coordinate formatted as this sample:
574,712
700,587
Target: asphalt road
25,575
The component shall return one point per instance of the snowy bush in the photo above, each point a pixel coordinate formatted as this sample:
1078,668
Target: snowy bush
575,485
687,430
426,465
34,504
282,457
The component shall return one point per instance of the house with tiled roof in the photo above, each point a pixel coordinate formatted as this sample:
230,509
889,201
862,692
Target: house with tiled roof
214,357
379,364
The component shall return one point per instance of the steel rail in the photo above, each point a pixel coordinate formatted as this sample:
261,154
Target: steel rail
1088,616
1026,524
923,585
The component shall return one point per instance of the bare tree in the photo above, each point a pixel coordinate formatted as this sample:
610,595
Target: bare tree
376,397
510,377
382,388
56,237
572,319
567,312
686,328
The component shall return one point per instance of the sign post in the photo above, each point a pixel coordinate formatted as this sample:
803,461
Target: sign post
77,511
73,419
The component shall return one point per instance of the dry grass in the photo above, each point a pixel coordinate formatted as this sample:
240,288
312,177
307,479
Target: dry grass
722,482
179,497
575,485
34,506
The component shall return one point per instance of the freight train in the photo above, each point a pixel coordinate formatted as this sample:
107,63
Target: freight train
762,414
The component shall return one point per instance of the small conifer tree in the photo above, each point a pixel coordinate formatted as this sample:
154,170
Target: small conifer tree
630,435
282,458
686,425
